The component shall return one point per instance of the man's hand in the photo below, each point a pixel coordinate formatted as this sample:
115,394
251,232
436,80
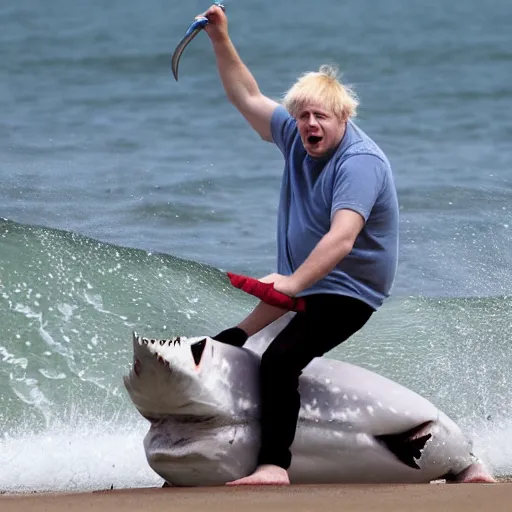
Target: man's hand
283,284
217,26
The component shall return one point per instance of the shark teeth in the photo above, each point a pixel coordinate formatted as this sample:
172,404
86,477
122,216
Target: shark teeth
159,348
142,340
176,351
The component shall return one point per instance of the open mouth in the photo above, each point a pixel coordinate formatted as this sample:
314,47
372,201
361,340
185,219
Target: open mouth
314,139
197,351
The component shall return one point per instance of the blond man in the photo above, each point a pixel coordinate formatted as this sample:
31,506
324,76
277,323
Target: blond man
337,234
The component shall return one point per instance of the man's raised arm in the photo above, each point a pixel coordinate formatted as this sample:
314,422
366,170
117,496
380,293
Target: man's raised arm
240,86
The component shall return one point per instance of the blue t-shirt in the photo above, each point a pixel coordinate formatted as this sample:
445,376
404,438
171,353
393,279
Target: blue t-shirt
357,176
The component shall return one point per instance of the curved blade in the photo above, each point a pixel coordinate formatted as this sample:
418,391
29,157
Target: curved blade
194,29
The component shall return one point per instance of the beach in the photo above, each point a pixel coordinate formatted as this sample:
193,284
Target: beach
127,195
392,498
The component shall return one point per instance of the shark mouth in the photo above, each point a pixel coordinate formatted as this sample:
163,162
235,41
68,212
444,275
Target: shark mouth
197,350
153,341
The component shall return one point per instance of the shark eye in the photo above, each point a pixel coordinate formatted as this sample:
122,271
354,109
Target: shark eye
197,350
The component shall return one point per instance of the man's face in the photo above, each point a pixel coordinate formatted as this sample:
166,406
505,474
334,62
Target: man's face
320,130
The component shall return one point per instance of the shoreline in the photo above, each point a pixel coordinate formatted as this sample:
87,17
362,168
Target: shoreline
500,480
303,497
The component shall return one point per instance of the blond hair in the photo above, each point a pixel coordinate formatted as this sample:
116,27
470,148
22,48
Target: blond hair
323,87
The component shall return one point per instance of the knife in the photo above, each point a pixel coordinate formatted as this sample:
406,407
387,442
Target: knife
195,27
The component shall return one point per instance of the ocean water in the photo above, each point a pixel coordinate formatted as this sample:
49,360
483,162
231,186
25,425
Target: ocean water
125,196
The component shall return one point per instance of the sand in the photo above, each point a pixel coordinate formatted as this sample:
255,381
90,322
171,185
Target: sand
296,498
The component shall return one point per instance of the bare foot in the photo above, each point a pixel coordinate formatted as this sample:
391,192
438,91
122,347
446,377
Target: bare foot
475,474
267,474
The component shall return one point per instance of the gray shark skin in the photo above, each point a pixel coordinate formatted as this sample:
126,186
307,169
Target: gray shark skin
202,401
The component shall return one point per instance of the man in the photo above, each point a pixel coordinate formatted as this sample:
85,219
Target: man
337,236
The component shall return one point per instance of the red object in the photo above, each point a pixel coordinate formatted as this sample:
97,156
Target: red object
267,293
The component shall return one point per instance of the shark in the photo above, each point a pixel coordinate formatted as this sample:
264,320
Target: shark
201,399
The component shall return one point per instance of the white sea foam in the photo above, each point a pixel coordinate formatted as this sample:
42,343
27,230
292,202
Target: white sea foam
90,455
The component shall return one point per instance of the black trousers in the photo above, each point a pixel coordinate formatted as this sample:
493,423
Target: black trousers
328,321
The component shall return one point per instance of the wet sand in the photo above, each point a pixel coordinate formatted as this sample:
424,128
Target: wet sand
317,498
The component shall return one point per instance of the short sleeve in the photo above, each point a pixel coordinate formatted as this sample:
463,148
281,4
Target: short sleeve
357,184
283,128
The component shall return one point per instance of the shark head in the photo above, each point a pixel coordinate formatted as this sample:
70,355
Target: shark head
192,377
